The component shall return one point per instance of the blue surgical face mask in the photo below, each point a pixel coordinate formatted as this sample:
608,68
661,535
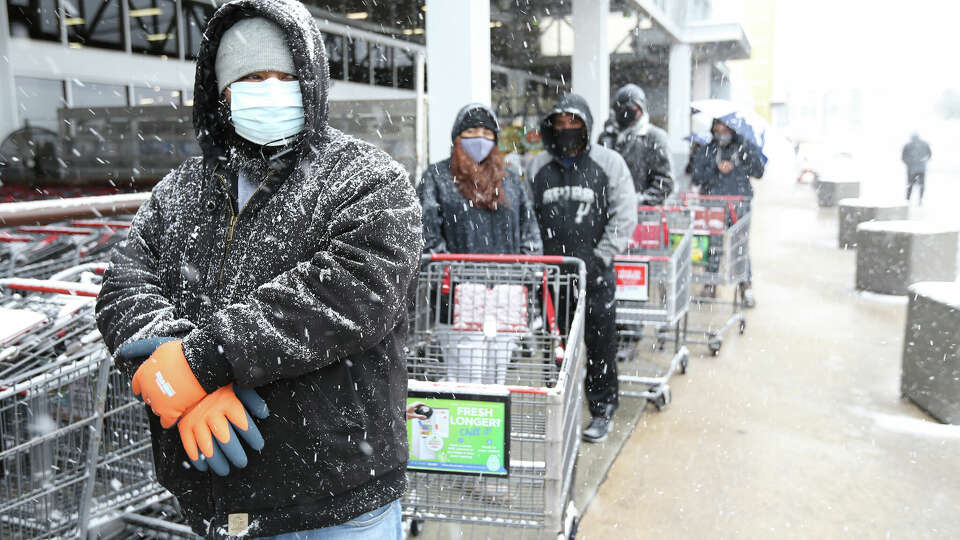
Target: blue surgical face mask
269,112
478,148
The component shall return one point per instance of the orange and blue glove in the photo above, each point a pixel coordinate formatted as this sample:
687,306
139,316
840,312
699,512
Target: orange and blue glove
164,380
215,426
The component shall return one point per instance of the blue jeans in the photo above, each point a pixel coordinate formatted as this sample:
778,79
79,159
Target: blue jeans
384,523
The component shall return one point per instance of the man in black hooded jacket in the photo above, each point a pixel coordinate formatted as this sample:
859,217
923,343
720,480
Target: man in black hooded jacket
644,146
587,208
280,260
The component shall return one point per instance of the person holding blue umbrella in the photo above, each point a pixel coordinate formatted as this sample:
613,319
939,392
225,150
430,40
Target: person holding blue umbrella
724,167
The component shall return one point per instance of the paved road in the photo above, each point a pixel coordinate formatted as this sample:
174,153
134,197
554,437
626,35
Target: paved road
798,429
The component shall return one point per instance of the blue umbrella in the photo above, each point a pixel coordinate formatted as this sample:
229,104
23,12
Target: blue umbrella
747,124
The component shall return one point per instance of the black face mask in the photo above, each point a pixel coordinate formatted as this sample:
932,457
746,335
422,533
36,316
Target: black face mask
626,116
568,141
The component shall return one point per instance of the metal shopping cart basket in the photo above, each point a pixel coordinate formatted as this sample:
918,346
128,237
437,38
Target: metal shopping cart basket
52,378
721,235
653,291
496,359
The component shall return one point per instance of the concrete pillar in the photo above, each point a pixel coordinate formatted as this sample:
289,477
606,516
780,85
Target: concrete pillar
702,80
678,104
458,65
591,58
8,95
678,95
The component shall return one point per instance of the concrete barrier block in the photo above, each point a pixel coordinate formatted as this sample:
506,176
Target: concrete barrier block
853,212
830,192
931,359
892,255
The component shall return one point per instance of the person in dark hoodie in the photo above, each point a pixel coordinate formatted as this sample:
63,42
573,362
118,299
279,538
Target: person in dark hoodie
724,167
279,261
587,208
915,155
643,146
471,202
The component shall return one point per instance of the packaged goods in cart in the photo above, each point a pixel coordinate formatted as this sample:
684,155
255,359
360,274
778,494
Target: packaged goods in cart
501,308
709,218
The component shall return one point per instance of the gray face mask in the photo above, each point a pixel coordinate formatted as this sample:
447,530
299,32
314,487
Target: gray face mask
725,139
478,148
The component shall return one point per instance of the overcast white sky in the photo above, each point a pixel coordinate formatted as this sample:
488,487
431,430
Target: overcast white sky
863,43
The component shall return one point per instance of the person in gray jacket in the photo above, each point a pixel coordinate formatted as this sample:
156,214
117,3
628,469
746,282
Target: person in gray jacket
587,208
643,146
471,202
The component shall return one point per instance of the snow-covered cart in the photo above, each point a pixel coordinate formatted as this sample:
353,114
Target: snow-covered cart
721,235
653,291
496,363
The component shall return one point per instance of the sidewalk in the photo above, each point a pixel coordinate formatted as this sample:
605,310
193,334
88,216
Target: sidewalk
797,430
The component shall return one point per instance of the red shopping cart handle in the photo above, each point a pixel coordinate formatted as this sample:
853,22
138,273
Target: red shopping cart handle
52,230
97,224
735,198
49,286
647,208
499,258
7,237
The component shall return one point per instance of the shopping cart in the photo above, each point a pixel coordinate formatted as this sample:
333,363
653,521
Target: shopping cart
53,376
721,235
496,358
653,291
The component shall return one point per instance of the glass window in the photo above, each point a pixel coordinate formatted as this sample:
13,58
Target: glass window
153,26
358,52
406,67
97,95
38,101
334,46
382,57
94,23
155,96
195,17
36,19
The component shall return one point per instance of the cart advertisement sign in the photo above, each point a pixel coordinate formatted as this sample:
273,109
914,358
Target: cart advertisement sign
633,281
466,434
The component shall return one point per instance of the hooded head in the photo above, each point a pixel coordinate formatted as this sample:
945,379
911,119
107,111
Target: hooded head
475,115
258,35
557,142
628,100
476,162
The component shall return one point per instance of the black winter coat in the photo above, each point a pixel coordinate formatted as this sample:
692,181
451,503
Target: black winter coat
915,155
302,295
746,163
452,225
646,150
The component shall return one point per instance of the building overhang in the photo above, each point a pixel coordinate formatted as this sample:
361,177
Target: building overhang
718,41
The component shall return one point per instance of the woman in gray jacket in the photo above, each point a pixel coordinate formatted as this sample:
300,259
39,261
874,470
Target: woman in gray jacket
471,202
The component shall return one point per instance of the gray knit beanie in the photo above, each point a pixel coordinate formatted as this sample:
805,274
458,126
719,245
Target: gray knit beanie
254,44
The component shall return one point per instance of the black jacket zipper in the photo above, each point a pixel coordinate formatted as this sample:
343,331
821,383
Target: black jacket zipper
234,216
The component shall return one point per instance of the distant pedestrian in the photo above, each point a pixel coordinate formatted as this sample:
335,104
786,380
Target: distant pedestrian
916,154
724,167
643,146
277,263
586,205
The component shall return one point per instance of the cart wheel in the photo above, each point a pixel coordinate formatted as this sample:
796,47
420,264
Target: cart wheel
661,401
416,527
661,344
571,521
684,360
715,345
743,326
573,528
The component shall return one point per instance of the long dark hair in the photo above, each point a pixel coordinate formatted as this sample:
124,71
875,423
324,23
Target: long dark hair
480,183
